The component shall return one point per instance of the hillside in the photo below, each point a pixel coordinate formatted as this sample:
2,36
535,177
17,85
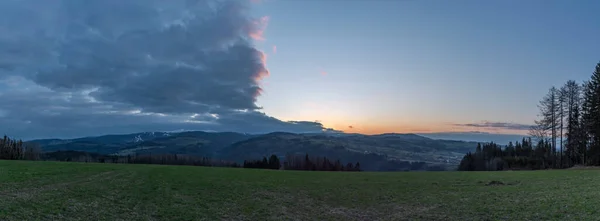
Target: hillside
78,191
191,142
376,152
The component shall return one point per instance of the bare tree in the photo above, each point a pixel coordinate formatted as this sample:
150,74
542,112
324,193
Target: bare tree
549,112
562,99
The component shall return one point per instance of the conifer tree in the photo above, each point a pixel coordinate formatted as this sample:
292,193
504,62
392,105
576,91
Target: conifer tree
591,115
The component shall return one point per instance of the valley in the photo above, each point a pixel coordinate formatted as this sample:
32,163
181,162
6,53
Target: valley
384,152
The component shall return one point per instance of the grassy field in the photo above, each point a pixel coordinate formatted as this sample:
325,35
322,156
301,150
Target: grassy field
77,191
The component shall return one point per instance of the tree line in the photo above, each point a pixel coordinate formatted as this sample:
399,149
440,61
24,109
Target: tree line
301,162
523,155
162,159
11,149
567,133
305,162
272,163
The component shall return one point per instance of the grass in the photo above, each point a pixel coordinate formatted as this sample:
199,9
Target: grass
79,191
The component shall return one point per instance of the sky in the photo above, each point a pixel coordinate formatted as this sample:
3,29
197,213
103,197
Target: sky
423,65
71,69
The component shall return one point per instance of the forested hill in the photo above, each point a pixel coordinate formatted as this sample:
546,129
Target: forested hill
375,152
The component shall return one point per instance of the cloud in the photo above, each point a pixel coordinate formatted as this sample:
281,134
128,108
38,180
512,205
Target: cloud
260,1
351,127
323,73
112,66
496,125
274,49
259,26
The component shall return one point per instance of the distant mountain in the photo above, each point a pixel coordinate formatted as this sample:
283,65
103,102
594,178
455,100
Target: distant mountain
375,152
197,143
189,142
102,144
502,139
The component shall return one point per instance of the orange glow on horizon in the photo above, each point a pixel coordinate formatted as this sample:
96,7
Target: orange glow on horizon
373,126
433,128
370,130
352,120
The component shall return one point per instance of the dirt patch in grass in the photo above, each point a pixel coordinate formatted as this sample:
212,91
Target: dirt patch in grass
389,211
495,183
499,183
304,207
581,167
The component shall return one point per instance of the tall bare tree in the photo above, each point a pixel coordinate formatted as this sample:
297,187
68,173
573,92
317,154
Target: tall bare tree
549,113
562,99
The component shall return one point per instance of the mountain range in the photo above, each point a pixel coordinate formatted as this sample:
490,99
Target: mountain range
381,152
482,137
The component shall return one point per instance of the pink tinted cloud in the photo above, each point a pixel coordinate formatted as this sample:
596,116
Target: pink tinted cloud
258,29
265,72
262,73
274,49
323,73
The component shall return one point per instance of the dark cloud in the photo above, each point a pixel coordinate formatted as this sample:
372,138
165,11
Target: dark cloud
351,127
497,125
74,68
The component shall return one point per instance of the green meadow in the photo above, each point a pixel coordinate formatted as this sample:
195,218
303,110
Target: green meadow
80,191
